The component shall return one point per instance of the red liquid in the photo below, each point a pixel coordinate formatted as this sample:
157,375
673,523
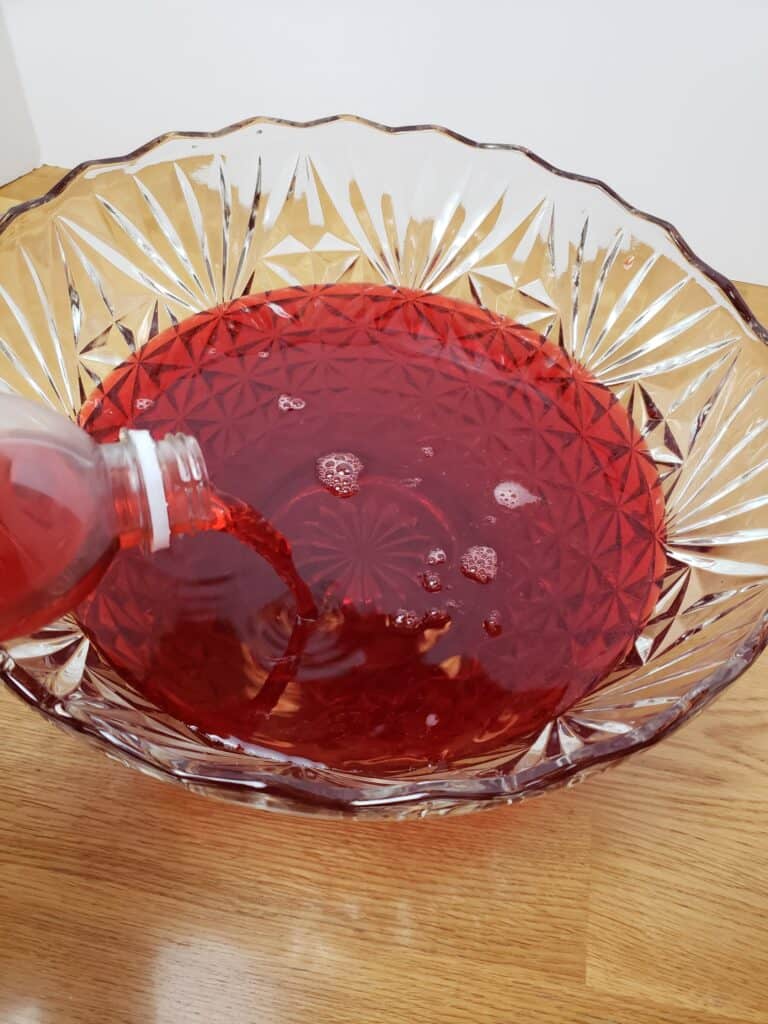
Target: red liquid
480,525
251,528
55,540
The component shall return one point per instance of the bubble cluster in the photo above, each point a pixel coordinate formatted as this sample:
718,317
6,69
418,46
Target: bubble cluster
339,473
428,451
436,556
289,403
142,404
437,618
510,494
431,581
407,621
480,563
411,481
492,623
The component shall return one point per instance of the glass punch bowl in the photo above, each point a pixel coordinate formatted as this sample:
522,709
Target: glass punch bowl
123,248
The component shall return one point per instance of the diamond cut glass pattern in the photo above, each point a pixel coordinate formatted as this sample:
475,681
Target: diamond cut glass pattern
125,249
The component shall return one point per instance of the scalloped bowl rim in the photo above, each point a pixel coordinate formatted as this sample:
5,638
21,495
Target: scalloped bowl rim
725,284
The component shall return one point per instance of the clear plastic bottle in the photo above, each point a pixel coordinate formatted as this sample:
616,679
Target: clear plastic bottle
67,505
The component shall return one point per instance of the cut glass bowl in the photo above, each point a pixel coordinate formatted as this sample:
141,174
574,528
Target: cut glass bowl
121,249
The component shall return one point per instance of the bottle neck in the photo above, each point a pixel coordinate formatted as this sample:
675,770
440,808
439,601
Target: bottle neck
160,489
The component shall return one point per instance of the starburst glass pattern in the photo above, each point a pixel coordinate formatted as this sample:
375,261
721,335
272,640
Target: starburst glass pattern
124,249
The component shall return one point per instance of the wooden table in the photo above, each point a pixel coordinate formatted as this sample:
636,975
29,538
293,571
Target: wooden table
639,898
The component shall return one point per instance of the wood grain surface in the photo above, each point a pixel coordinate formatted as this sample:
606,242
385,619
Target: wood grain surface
638,898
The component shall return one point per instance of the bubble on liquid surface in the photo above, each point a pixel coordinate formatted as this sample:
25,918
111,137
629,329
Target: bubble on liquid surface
436,556
437,618
431,720
339,473
492,623
428,451
142,404
480,563
431,581
264,354
510,494
406,621
411,481
289,403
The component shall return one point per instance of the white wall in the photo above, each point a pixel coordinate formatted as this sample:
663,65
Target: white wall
19,151
664,100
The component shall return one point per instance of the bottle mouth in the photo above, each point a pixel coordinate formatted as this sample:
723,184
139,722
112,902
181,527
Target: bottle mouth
174,479
188,489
